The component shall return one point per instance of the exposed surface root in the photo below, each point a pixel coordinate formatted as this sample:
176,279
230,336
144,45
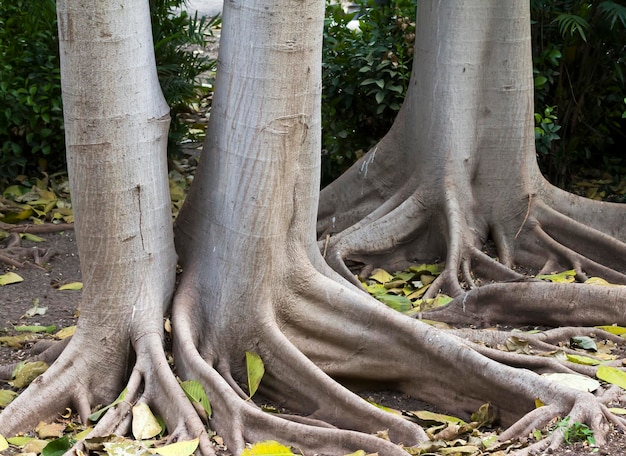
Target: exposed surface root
36,229
47,352
292,380
13,254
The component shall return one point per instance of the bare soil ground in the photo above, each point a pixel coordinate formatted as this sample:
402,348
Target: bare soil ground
41,285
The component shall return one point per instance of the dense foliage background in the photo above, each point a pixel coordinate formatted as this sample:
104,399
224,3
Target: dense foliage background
579,53
31,118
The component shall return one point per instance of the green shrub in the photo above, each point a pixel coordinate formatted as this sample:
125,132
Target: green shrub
579,54
31,119
365,77
179,43
579,58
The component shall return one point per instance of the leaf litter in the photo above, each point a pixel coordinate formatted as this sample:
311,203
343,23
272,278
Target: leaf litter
48,200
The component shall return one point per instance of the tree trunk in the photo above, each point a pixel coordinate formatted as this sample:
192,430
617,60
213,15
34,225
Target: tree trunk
458,169
253,279
116,124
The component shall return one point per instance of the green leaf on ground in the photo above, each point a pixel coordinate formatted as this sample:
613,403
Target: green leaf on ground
267,448
95,416
256,370
185,448
574,381
584,342
31,237
58,447
72,286
561,277
396,302
35,329
580,359
612,375
196,394
9,278
3,443
20,440
26,372
145,425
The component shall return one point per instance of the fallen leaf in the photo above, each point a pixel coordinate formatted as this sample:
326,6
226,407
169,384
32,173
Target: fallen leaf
26,372
574,381
95,416
396,302
196,394
125,448
31,237
72,286
580,359
584,342
3,443
465,449
6,397
561,277
34,446
65,332
18,341
48,430
9,278
256,370
617,411
35,310
185,448
267,448
35,328
484,415
613,329
427,416
381,276
145,424
612,375
20,440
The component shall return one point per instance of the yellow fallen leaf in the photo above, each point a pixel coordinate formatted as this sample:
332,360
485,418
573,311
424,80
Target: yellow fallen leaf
72,286
6,396
267,448
612,375
66,332
617,411
26,372
9,278
145,424
185,448
3,443
381,276
613,329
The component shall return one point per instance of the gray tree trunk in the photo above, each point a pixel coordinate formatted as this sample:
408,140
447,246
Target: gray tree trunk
253,279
